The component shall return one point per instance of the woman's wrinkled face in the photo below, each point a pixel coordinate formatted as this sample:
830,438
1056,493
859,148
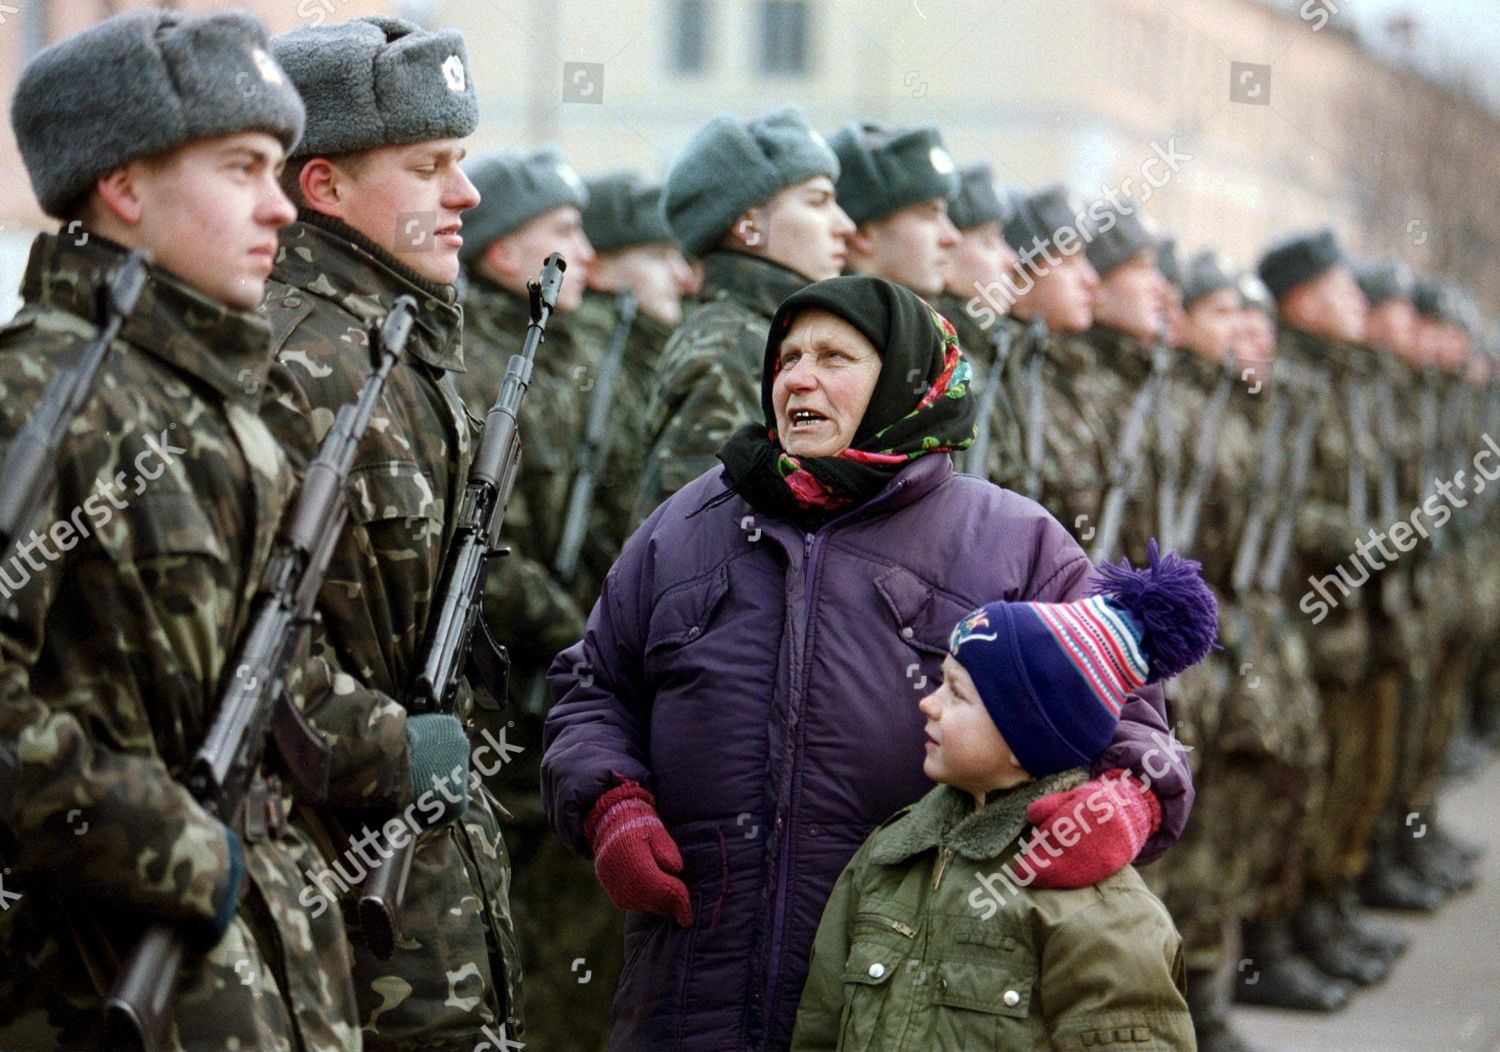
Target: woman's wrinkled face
825,374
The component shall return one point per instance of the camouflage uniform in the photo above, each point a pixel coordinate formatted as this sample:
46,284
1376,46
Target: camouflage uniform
1087,387
628,433
1358,689
114,657
454,971
1249,711
1005,452
708,382
535,616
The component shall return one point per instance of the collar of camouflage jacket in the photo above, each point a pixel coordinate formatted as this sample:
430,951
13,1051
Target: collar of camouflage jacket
1196,370
329,258
756,283
226,349
946,816
1120,352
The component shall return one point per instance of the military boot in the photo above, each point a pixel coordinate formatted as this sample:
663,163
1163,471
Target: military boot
1436,860
1331,943
1387,884
1375,935
1274,974
1208,1001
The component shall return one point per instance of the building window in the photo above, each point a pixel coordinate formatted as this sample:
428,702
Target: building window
690,35
784,26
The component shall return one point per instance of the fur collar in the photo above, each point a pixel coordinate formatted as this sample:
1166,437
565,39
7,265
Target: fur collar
946,816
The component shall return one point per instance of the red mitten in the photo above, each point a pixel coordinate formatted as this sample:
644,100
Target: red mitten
1085,834
635,856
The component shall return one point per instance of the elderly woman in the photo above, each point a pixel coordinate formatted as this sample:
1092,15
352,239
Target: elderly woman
742,709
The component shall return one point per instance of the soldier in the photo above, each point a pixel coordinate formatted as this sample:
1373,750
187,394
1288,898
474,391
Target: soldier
1169,262
1322,315
625,224
1268,743
755,201
977,301
895,183
379,192
531,207
1254,715
1391,329
1054,300
1130,313
155,131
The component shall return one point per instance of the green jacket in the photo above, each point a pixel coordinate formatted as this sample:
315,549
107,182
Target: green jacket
914,953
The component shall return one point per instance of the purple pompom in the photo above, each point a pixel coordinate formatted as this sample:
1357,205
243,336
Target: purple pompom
1176,611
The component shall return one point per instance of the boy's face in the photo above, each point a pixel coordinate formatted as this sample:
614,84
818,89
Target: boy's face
964,747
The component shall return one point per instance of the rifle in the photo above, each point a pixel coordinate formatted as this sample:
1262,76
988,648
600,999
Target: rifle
454,625
976,460
1242,578
255,703
1185,522
593,448
1036,329
1280,549
1124,469
29,472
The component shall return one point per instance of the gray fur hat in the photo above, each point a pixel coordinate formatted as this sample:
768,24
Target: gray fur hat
143,83
514,186
378,81
1299,259
883,170
976,201
1120,234
1207,273
624,210
1035,217
731,165
1387,280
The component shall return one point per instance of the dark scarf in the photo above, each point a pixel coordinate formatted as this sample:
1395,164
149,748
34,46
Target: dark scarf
920,405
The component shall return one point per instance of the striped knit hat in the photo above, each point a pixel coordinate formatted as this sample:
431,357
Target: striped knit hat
1054,676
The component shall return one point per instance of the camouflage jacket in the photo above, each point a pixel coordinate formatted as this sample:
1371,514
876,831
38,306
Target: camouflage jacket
1005,459
1335,512
708,382
628,433
1087,386
454,972
116,648
528,611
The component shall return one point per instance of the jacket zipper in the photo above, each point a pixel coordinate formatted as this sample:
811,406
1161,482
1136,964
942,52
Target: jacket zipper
778,918
811,545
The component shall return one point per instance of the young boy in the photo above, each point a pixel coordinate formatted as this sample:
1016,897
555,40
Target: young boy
932,938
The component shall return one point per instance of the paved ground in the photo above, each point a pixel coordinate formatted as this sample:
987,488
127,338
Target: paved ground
1444,994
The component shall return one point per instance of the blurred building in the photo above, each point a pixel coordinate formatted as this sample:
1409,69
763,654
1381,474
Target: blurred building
1272,102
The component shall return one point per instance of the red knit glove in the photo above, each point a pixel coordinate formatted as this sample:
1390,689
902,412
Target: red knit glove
1085,834
635,856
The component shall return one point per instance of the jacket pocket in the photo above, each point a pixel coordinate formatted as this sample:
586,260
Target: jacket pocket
395,504
681,616
162,524
868,990
982,989
923,616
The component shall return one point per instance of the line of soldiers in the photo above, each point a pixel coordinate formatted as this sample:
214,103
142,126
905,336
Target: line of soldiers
1259,424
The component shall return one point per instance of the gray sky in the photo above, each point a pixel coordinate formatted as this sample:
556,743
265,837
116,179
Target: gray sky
1468,25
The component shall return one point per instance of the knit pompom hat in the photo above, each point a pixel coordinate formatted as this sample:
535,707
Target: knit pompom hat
1054,676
